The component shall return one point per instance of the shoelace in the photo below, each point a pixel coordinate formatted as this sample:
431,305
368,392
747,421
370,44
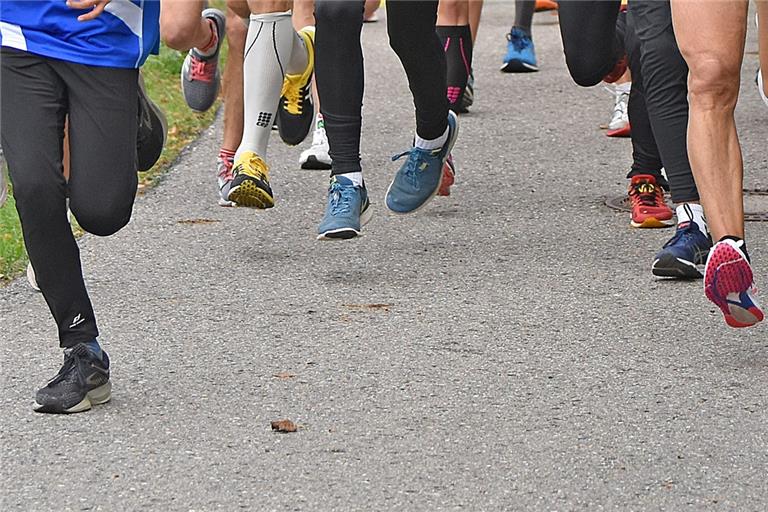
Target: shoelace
202,70
413,165
520,43
646,194
257,168
621,100
72,358
293,95
225,169
340,198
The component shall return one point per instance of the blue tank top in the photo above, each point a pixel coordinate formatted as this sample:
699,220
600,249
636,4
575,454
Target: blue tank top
122,37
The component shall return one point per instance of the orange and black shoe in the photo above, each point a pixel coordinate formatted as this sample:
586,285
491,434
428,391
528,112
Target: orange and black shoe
250,182
545,5
649,210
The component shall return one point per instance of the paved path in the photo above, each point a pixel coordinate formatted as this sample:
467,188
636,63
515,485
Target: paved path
506,349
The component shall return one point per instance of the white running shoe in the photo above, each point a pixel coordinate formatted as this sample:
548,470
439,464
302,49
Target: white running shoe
317,157
31,279
761,86
3,188
619,125
224,179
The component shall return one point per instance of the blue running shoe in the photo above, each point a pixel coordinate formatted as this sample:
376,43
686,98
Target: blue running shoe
420,177
347,212
521,56
683,253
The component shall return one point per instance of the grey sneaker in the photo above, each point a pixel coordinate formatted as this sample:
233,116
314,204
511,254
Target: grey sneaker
82,382
200,75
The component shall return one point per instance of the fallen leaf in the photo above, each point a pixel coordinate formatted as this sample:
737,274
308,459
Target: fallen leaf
197,221
368,307
284,426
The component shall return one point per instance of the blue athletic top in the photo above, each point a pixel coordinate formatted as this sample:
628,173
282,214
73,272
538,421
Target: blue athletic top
122,37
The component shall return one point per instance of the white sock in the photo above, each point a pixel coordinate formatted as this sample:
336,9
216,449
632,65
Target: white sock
432,143
271,44
354,177
626,87
691,212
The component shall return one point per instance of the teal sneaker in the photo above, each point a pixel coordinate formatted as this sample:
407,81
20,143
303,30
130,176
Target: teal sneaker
348,210
421,176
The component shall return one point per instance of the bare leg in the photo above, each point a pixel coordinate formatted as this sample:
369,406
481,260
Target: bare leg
371,6
303,14
475,9
181,25
453,13
762,13
711,37
233,82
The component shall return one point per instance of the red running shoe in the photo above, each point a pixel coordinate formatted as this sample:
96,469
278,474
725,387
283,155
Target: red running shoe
648,207
449,177
729,285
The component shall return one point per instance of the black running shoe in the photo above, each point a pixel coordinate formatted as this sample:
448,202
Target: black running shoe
82,381
153,128
295,112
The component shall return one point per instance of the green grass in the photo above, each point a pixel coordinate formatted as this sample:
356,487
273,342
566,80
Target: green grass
161,76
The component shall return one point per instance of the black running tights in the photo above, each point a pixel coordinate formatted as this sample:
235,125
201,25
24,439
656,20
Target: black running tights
658,101
36,94
339,71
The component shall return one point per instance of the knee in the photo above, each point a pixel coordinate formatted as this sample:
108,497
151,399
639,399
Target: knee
713,83
176,35
102,216
237,31
588,69
34,190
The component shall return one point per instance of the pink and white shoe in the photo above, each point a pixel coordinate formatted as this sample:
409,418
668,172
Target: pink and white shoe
728,283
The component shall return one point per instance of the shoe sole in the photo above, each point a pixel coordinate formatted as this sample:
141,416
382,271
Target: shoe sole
761,86
652,223
247,194
676,268
620,132
158,115
450,143
348,233
96,396
314,164
517,66
32,278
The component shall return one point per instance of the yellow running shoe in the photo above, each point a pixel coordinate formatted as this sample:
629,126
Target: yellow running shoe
250,183
295,112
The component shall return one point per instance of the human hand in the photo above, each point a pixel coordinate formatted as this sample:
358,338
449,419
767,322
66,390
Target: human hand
96,6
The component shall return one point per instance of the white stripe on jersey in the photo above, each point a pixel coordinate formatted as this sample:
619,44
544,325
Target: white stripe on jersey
129,13
12,36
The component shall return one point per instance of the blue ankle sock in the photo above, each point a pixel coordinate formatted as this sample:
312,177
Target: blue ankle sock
94,347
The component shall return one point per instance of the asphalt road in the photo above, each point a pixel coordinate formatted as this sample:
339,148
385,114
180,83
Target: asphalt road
505,349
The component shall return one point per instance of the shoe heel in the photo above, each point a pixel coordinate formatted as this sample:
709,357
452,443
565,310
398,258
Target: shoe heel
101,394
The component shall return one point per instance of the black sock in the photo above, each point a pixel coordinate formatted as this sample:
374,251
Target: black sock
743,244
457,42
524,15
